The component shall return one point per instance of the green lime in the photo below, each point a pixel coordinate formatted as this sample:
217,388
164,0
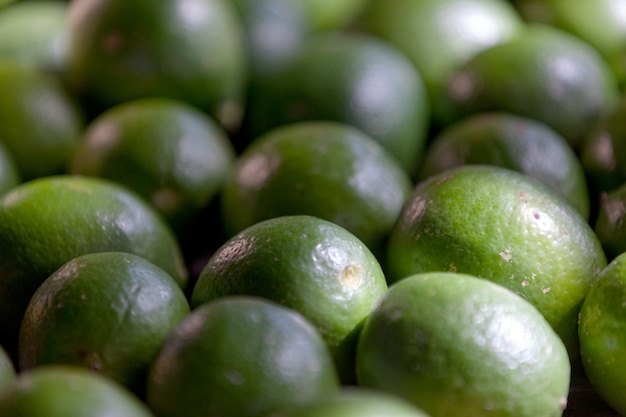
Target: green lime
355,79
513,142
439,36
68,391
35,31
355,401
9,175
7,369
602,333
454,344
170,153
50,220
192,50
40,124
603,154
506,227
332,14
545,74
275,31
109,312
323,169
610,225
602,23
305,263
240,356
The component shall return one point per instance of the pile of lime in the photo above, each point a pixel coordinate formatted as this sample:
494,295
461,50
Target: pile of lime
312,208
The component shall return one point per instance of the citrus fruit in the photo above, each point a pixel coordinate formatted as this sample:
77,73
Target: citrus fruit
40,123
543,73
240,356
355,79
601,23
438,36
602,333
305,263
169,152
35,31
357,402
9,175
68,391
7,369
108,312
332,14
192,50
506,227
275,30
51,220
610,226
603,154
454,344
323,169
513,142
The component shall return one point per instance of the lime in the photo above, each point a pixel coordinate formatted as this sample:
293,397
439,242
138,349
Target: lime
170,153
357,402
543,73
106,311
305,263
240,356
603,154
602,333
9,175
439,36
40,123
192,50
51,220
355,79
275,30
323,169
506,227
610,225
7,369
332,14
513,142
602,23
35,31
68,391
454,344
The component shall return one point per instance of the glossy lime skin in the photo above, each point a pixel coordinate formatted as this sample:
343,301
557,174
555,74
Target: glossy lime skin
65,390
49,221
109,312
40,123
35,31
602,23
305,263
602,329
439,36
323,169
543,73
275,31
455,344
192,50
167,151
355,401
514,142
355,79
240,356
503,226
